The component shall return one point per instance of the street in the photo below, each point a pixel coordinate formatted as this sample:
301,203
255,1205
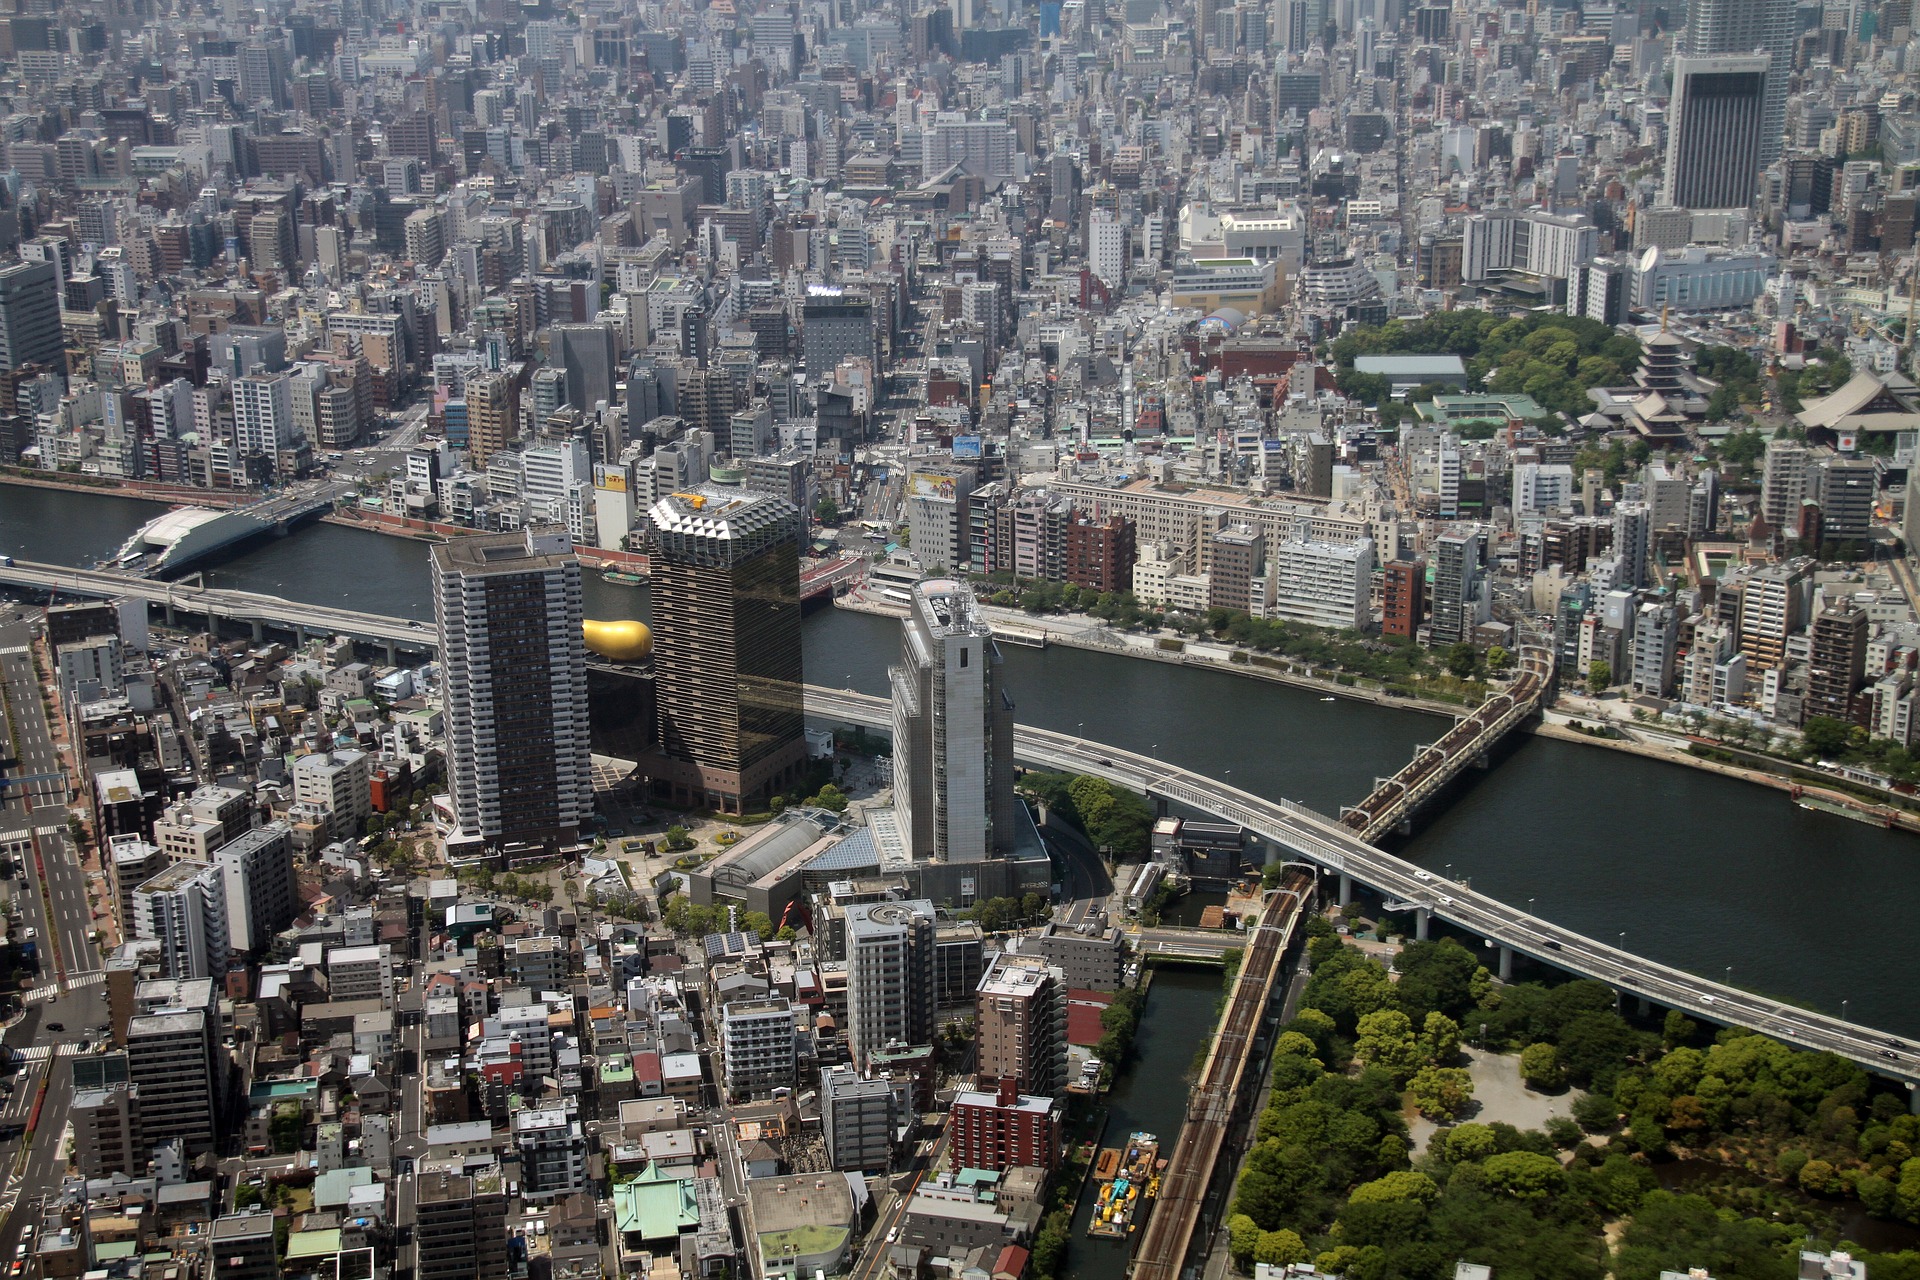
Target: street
49,890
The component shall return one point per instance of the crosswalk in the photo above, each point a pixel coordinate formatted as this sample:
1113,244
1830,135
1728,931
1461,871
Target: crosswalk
44,1052
38,994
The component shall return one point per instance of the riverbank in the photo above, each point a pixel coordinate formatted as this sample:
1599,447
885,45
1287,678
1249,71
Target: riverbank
1013,627
143,490
1821,799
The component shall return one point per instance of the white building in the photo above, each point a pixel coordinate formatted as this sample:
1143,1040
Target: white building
890,976
1541,488
263,415
184,909
256,869
757,1042
1323,584
339,782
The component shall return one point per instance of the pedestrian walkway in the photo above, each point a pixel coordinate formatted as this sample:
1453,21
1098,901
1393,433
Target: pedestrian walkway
43,1052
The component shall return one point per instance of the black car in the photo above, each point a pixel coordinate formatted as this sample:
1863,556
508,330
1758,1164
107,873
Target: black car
1888,1053
56,1026
1552,945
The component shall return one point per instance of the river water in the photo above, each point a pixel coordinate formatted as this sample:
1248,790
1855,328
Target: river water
1700,871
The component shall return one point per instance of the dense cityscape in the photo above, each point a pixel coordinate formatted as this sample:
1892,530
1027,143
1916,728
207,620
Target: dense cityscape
1537,369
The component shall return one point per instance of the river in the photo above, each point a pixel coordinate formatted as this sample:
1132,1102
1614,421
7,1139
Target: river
1179,1016
1700,871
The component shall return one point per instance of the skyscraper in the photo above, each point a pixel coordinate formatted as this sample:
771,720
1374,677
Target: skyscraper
1021,1016
726,627
836,325
1715,122
952,730
515,670
1716,28
30,316
585,351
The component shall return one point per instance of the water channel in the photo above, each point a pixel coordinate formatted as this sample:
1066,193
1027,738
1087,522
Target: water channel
1699,871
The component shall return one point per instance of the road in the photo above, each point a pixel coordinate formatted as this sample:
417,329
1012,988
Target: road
1334,848
68,1003
893,1210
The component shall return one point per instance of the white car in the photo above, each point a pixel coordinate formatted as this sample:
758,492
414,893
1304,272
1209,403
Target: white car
893,1236
1708,1000
1423,875
1445,901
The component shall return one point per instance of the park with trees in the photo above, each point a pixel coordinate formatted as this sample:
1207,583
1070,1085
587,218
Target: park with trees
1799,1138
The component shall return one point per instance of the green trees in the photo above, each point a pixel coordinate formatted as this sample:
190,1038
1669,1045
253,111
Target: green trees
1524,1174
1108,814
1441,1093
1540,1067
1552,358
826,511
1599,675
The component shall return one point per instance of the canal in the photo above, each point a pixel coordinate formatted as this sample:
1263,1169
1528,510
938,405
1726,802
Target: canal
1150,1096
1699,871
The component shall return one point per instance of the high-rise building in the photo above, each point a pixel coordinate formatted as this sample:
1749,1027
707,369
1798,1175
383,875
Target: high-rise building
257,869
836,325
1020,1013
1322,582
1836,664
180,1070
890,977
1456,587
1770,611
1403,598
1711,28
30,316
860,1117
757,1043
1632,541
999,1130
184,909
1784,482
493,417
514,664
726,629
460,1227
1715,121
952,730
340,782
586,353
263,415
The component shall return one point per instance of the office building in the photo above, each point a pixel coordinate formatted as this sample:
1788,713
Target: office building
757,1044
1094,960
1715,121
836,325
1771,605
460,1227
1005,1128
1836,663
952,730
30,316
1656,636
106,1129
890,977
257,872
1100,554
515,674
586,353
362,972
184,909
1321,583
1020,1023
861,1119
1846,491
175,1060
1709,28
726,632
939,519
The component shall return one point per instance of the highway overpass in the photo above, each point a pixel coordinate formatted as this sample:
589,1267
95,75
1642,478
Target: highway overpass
1324,841
1335,849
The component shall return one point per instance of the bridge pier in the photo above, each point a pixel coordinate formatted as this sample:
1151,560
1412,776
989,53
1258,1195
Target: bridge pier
1482,761
1506,964
169,616
259,631
1404,826
1913,1099
393,654
1346,889
1420,917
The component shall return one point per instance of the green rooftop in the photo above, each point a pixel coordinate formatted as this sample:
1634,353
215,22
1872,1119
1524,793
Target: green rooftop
655,1206
313,1244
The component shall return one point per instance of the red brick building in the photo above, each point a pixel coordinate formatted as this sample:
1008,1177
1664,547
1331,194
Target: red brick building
1100,553
1403,598
999,1130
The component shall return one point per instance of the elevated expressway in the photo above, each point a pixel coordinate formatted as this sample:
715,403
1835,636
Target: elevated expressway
1331,845
1336,849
